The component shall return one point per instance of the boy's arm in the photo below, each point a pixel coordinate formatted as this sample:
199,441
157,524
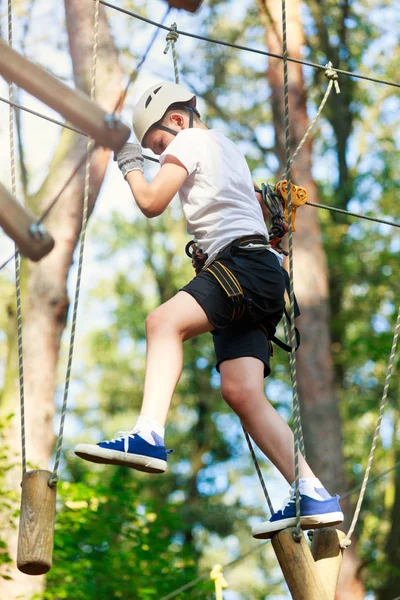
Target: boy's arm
152,198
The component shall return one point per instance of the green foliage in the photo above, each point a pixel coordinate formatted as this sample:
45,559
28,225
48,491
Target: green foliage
113,541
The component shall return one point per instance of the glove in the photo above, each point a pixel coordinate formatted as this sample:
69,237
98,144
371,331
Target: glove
130,158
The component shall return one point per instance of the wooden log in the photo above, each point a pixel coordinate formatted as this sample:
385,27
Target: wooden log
328,555
74,105
298,567
36,525
189,5
19,223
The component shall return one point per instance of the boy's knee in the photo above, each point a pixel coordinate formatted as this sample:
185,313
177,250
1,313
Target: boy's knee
159,320
237,394
155,320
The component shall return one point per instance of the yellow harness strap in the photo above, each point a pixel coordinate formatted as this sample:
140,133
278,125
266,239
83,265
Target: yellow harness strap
230,285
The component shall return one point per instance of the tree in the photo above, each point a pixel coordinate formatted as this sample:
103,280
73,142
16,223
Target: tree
44,285
319,401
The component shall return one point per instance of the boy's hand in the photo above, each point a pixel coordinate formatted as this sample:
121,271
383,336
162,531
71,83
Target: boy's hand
130,158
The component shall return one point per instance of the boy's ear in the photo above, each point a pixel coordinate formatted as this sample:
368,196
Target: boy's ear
177,119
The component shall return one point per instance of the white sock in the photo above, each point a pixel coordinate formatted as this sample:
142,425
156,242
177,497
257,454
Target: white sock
313,488
147,427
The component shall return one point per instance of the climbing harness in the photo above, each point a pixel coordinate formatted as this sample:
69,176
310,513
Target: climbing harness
231,286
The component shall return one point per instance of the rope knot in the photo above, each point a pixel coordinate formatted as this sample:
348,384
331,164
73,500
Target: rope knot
53,480
332,75
345,543
297,534
172,37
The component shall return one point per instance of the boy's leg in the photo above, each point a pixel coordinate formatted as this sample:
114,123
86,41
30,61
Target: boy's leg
242,383
167,327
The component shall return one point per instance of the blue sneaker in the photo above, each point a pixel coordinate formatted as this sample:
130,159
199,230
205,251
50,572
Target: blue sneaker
127,449
313,514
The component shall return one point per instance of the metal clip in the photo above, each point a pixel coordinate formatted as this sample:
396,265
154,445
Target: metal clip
37,231
112,121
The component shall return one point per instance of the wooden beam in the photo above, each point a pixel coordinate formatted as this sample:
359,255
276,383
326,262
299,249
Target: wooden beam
19,223
74,105
298,567
190,5
36,525
328,555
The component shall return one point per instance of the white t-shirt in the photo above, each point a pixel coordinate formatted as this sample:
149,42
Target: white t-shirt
218,197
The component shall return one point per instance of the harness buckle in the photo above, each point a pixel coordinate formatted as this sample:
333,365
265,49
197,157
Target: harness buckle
197,256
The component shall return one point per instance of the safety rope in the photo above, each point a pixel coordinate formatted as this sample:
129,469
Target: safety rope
292,374
258,470
332,77
89,149
349,213
17,258
347,540
172,38
247,48
297,535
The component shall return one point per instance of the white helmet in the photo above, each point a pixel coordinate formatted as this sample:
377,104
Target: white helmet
155,102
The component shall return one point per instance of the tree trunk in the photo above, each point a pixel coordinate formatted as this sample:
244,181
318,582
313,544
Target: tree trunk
319,404
44,285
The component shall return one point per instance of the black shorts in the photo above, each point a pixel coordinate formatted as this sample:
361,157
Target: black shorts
262,280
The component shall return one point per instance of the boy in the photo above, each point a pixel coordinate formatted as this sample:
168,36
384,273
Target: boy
238,295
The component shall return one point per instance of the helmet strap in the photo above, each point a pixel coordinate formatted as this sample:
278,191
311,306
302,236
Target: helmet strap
191,113
164,128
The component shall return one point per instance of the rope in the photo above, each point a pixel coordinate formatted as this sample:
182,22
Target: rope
134,75
353,214
247,48
17,260
292,372
297,535
257,466
42,116
172,37
90,144
332,76
347,541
